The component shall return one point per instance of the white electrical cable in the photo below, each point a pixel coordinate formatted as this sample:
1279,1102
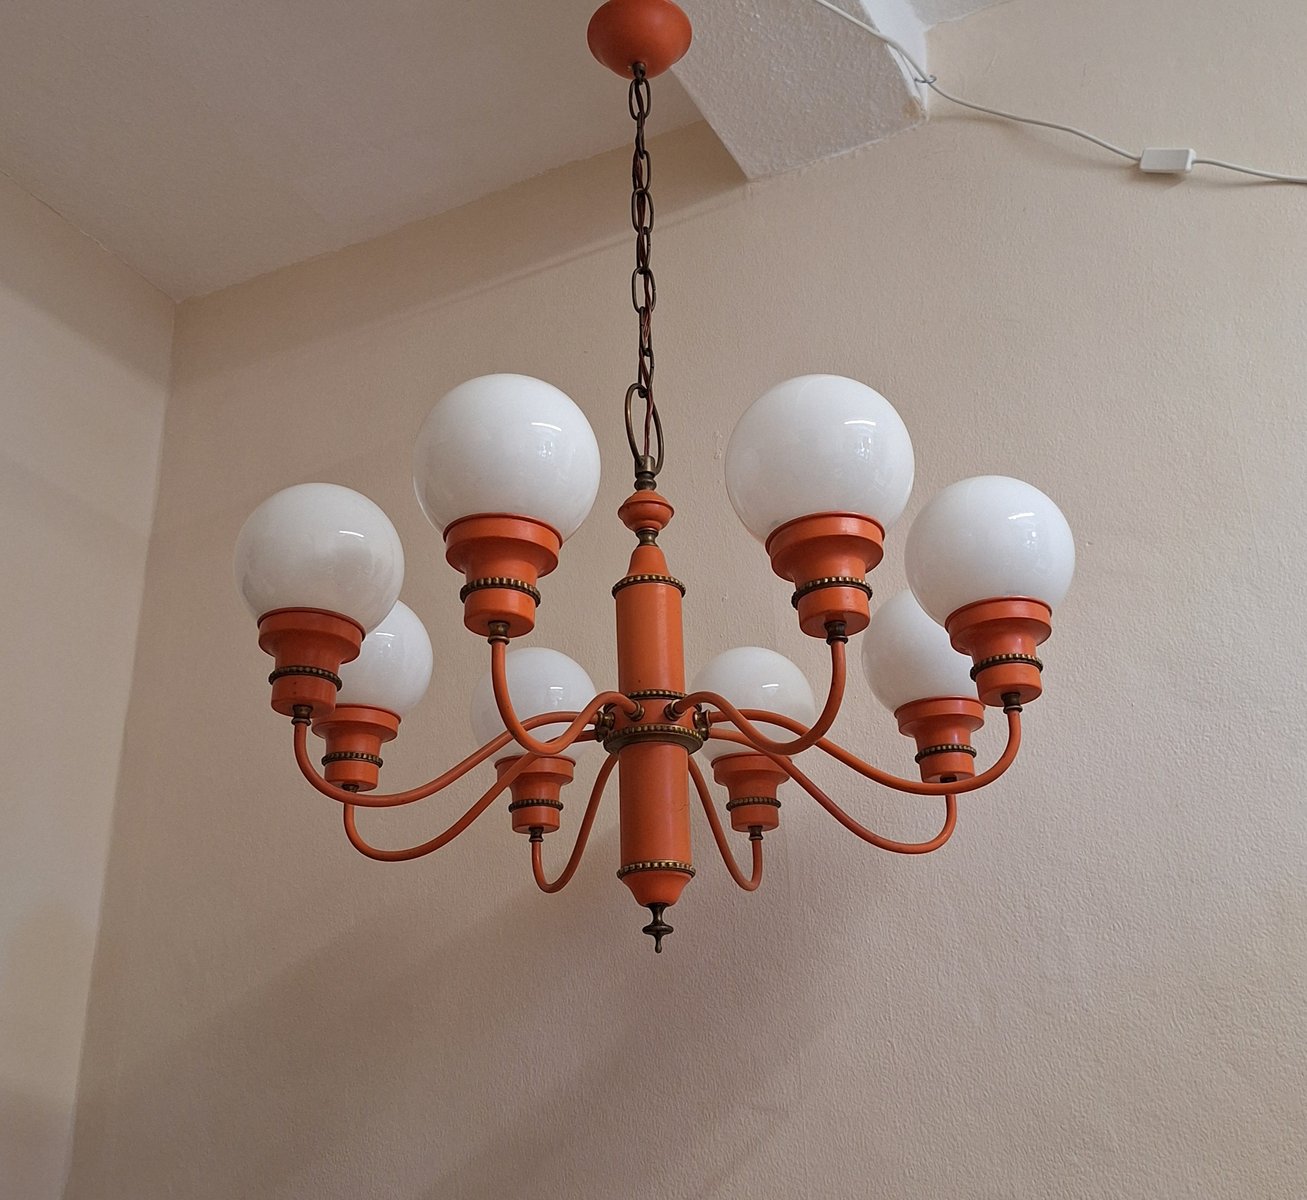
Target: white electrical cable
922,77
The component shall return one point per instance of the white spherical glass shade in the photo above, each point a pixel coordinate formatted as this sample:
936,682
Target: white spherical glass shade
317,545
393,668
986,538
540,680
753,677
507,444
908,657
818,443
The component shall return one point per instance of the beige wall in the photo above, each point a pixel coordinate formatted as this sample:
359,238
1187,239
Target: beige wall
1095,990
85,346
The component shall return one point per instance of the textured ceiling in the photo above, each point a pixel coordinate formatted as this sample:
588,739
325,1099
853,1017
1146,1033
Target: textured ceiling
207,143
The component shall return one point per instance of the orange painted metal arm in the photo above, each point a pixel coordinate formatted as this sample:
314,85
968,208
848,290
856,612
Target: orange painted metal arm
808,737
442,839
719,835
394,799
867,835
913,786
499,678
582,835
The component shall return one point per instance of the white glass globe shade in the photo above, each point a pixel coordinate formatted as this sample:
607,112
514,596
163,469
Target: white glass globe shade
317,545
908,657
753,677
393,668
818,443
985,538
540,680
507,444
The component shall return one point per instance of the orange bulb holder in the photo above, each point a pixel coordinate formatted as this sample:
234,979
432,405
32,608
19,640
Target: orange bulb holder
625,32
537,805
751,782
309,646
503,558
942,728
1001,636
354,734
827,556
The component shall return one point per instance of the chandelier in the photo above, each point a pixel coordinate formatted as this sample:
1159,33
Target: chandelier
507,467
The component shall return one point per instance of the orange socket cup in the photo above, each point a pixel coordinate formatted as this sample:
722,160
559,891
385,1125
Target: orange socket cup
828,546
942,727
310,645
354,734
503,558
751,782
625,32
537,792
999,634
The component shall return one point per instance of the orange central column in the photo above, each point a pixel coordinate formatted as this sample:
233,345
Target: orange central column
652,750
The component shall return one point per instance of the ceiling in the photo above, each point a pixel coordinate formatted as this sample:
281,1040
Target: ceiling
207,143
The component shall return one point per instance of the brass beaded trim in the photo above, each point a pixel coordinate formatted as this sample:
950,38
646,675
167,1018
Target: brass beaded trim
946,748
1002,659
678,734
656,864
315,672
655,694
516,804
352,756
630,580
769,801
830,581
499,581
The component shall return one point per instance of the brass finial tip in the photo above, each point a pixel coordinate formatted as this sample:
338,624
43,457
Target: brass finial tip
657,928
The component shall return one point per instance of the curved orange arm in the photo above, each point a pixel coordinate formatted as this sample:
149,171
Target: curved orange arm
443,839
394,799
808,737
719,836
518,729
582,835
855,827
913,786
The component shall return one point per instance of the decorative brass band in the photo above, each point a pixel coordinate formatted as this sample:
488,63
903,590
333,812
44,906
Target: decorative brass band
670,580
677,734
316,672
999,659
947,748
352,756
770,801
830,581
655,694
657,864
558,804
498,581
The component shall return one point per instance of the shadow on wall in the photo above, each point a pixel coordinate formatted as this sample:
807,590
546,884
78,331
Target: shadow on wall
46,952
339,1075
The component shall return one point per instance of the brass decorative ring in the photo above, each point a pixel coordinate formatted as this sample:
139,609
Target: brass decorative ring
498,581
656,864
351,756
676,734
314,672
631,580
516,804
999,660
655,694
769,801
830,581
946,748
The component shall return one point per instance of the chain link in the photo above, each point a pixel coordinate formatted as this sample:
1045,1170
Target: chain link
646,450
